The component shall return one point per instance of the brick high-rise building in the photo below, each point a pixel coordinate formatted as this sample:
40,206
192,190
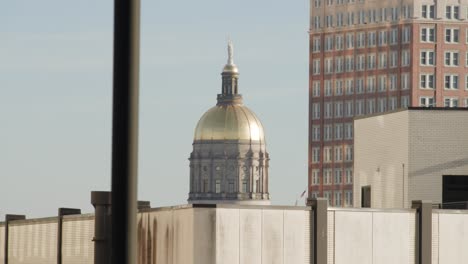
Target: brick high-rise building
368,57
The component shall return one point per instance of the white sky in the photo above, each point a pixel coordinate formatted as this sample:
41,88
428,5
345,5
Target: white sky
56,95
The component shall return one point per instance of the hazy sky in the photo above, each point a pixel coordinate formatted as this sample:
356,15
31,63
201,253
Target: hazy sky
56,95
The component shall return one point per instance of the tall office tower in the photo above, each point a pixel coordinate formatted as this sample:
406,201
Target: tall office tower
369,56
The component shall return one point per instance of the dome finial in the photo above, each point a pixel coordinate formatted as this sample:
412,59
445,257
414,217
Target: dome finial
230,52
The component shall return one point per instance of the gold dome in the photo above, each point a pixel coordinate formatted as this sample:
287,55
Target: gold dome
229,122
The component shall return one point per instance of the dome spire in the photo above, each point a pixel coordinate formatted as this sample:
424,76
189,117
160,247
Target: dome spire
230,52
230,75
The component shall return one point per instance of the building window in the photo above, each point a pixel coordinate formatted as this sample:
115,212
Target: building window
466,59
466,82
394,36
426,101
393,82
339,64
359,107
328,43
338,109
244,186
392,103
316,44
361,17
338,176
205,186
349,110
371,61
328,88
427,81
317,3
382,83
360,62
315,177
394,14
329,21
371,39
406,34
405,58
338,153
339,19
218,186
350,41
428,11
451,102
452,35
316,67
316,111
370,106
382,38
466,102
382,60
338,131
328,65
361,39
348,129
405,81
337,198
327,154
349,153
315,133
382,105
327,132
451,81
316,89
360,86
339,42
452,12
427,34
371,84
348,198
393,59
349,86
350,18
327,176
349,64
315,155
327,195
405,101
231,187
427,58
317,23
451,58
328,110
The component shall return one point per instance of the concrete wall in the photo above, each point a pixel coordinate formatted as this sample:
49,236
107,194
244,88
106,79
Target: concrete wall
438,143
77,236
449,237
223,235
33,241
380,150
376,237
256,235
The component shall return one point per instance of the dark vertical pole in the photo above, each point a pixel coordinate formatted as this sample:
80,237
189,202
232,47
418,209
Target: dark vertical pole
423,231
125,130
102,236
61,213
8,219
319,227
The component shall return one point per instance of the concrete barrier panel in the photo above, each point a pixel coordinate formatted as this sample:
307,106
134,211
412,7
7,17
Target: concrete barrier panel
453,238
272,237
391,234
77,236
250,236
295,242
227,236
353,237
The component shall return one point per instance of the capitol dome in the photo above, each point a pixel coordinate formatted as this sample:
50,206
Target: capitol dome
229,162
229,122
